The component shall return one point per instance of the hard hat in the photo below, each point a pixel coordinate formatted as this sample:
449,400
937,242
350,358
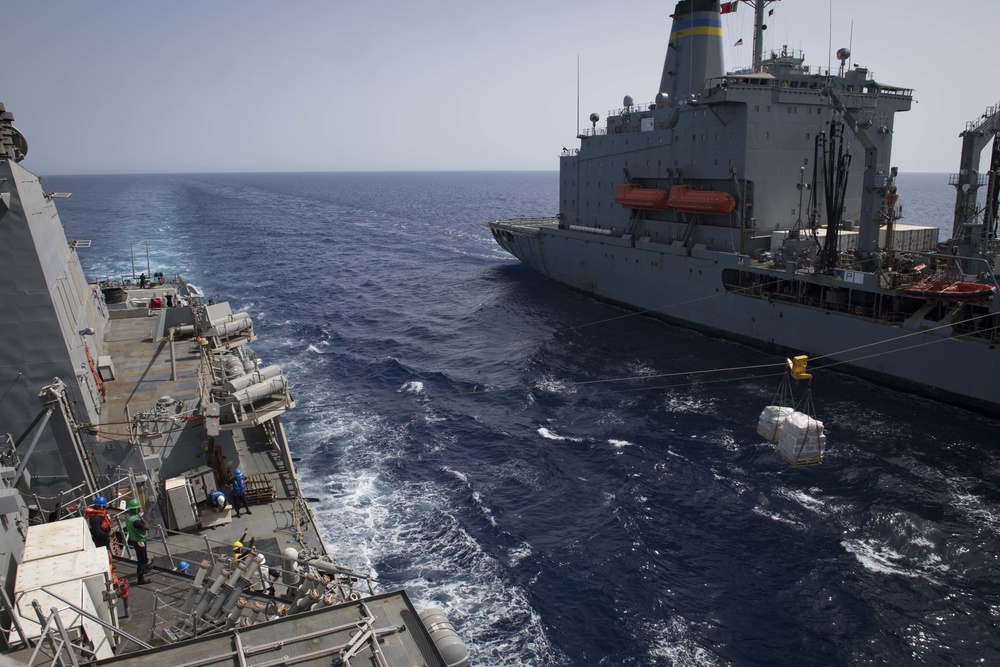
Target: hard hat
100,501
237,545
183,566
133,504
239,473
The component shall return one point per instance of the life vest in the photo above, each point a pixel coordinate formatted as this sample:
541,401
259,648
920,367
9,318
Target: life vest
135,534
92,511
239,486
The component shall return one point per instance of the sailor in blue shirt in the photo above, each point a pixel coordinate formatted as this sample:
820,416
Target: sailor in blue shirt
239,483
217,500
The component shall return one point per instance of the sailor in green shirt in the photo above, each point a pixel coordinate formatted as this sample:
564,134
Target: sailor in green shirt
138,531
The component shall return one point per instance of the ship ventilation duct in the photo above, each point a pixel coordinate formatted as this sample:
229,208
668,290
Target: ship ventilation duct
256,392
694,54
238,322
219,320
256,377
233,366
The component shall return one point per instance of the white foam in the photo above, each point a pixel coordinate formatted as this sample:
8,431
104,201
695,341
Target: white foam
805,500
688,403
553,386
373,517
620,443
412,387
974,507
551,435
516,554
671,641
775,516
477,498
882,559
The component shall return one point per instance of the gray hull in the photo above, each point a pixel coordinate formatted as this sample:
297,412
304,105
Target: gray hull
689,290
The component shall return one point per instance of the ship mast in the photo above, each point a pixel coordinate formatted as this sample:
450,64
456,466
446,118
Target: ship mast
758,30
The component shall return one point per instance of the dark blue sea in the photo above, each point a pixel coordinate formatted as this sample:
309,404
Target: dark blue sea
454,421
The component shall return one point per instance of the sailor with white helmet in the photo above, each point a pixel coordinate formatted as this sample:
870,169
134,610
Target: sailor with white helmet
217,500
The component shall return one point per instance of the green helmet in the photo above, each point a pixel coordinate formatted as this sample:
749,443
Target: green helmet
133,504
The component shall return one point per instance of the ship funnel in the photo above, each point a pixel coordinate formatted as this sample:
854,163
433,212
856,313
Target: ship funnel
694,54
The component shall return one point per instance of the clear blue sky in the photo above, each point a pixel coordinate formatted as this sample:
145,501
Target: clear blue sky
308,85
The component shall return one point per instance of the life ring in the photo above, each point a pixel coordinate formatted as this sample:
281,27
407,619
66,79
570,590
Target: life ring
618,129
160,279
858,310
784,84
659,125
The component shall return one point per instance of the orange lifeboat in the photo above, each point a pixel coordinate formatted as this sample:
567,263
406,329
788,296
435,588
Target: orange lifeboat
951,290
693,200
632,196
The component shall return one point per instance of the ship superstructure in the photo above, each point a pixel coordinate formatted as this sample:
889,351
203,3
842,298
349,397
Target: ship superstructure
761,205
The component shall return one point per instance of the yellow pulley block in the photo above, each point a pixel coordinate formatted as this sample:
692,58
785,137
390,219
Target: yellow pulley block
797,367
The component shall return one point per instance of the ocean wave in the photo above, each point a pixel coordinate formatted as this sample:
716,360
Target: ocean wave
552,435
671,640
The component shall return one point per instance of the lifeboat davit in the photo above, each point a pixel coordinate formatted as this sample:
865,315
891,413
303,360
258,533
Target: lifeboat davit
647,199
681,198
693,200
951,290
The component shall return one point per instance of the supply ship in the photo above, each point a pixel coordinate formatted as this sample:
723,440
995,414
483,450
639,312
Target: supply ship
150,397
760,205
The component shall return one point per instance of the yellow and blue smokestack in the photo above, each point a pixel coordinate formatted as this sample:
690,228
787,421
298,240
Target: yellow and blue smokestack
694,54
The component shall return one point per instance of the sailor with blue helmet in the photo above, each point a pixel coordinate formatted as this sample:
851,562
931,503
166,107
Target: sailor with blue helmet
99,521
239,484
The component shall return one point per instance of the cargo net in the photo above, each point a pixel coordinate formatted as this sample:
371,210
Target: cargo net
792,425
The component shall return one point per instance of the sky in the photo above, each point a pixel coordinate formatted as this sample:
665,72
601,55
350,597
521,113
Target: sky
391,85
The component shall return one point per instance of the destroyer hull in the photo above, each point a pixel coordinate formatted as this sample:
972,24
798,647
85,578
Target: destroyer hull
687,288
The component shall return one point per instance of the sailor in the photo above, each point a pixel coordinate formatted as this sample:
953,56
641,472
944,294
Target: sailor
138,531
261,581
217,500
183,567
142,281
99,521
239,484
238,549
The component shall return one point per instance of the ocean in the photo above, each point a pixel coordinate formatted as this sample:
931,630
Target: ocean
515,453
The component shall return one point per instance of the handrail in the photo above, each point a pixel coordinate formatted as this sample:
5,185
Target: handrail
95,619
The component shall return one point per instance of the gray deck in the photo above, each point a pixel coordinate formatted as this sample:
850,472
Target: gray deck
143,375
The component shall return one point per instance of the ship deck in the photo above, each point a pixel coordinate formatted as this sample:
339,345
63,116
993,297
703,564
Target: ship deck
309,611
524,226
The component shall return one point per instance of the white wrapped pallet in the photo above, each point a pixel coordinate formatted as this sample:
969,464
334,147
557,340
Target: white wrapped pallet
801,439
770,419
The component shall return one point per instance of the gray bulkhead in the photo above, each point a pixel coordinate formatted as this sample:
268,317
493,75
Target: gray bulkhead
751,135
51,319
